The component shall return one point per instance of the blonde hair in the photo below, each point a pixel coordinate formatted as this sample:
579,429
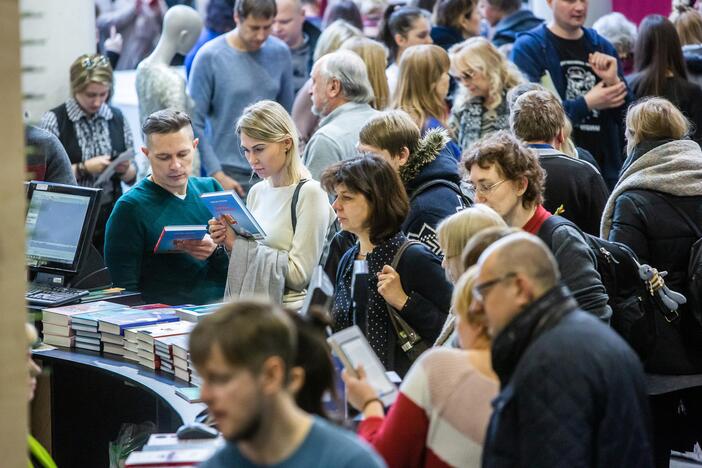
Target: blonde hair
90,68
654,119
688,24
268,121
421,67
462,299
333,36
477,54
454,232
374,55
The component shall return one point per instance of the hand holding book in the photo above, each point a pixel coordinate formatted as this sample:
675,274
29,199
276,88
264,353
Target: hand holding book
221,231
200,249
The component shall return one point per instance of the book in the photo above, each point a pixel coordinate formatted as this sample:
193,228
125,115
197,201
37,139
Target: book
166,458
131,355
149,333
84,328
112,349
62,315
189,394
88,334
196,313
116,340
130,318
181,374
87,340
229,205
88,347
172,442
171,234
63,341
57,330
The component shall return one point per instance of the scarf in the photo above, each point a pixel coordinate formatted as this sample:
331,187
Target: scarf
674,168
469,123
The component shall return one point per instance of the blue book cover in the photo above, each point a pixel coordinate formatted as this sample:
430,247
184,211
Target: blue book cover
116,323
170,234
229,205
196,313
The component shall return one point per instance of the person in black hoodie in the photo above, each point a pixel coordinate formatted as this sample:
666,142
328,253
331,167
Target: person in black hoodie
395,137
371,204
688,24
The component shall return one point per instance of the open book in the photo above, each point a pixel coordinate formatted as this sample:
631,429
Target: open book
229,205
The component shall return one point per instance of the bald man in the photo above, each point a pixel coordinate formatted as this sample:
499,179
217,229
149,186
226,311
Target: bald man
572,391
300,35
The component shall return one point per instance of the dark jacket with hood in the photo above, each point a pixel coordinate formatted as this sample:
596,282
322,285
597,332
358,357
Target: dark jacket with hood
693,60
638,214
507,29
446,36
534,53
433,161
563,401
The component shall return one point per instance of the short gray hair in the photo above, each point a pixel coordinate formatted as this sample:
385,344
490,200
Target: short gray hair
348,68
618,30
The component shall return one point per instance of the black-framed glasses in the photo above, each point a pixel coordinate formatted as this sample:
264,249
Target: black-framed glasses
481,290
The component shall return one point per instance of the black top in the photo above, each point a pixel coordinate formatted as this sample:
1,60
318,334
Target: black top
685,95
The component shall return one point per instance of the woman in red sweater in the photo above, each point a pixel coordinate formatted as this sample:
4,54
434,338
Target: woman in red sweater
442,412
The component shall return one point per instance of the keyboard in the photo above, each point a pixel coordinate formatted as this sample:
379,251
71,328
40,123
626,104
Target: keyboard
52,296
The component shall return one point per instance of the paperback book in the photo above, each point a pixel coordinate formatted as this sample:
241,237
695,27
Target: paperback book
234,210
170,234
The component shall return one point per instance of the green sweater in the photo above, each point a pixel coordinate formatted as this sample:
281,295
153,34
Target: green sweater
133,230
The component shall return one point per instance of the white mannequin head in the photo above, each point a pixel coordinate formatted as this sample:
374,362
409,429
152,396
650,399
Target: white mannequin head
181,28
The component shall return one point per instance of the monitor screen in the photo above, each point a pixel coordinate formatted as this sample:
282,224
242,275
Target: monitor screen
59,222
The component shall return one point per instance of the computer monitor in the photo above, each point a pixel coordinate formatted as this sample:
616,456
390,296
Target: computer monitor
59,226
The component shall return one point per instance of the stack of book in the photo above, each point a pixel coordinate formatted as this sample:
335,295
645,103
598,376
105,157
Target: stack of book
113,327
140,342
197,313
168,450
57,323
181,357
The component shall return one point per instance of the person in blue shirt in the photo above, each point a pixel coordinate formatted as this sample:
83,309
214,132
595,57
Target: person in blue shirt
583,68
507,19
245,353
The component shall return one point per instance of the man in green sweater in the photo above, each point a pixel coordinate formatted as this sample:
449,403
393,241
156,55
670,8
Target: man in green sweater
169,196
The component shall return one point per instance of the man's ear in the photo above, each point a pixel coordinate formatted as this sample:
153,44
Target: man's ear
272,375
333,88
145,150
196,141
560,139
236,19
403,156
296,380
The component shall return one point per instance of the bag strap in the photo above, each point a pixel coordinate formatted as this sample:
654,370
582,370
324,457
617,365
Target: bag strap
550,225
293,204
407,335
398,255
682,214
427,185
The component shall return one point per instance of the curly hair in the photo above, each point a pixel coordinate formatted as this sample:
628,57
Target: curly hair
477,54
513,161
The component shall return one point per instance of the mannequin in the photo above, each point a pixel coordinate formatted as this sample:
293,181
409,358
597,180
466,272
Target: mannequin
160,86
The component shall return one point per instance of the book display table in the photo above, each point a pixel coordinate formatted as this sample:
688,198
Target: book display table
91,395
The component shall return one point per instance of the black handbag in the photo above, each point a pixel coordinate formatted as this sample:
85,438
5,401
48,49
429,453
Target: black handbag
408,339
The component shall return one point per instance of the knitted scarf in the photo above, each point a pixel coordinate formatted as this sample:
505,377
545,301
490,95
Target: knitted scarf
674,168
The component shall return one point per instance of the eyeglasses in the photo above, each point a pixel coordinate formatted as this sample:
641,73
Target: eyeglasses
88,63
481,290
484,189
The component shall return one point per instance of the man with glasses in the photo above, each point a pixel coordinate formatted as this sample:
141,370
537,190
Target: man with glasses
572,391
507,177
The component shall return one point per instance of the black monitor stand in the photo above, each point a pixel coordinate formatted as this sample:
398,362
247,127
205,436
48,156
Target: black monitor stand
92,274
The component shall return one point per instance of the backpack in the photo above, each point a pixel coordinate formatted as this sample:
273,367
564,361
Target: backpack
634,307
463,196
694,266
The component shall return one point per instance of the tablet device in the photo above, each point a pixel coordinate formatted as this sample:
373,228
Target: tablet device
353,349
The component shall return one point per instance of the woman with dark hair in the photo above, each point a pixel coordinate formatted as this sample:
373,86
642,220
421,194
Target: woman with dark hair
688,24
660,70
454,21
371,203
656,209
343,10
403,27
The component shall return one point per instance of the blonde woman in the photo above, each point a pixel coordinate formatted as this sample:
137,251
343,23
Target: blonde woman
93,133
485,76
442,413
281,264
329,41
374,55
422,87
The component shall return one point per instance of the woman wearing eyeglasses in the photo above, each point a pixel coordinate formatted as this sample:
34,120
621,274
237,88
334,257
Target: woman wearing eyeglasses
93,133
486,77
371,203
507,177
441,414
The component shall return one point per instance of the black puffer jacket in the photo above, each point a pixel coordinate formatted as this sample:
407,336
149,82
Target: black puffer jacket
644,220
564,401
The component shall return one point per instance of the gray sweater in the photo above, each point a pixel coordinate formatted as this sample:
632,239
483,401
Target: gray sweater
223,81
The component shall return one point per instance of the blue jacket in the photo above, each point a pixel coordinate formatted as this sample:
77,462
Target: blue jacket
507,29
535,54
572,392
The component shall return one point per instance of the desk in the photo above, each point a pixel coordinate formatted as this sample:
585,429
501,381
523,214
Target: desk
92,395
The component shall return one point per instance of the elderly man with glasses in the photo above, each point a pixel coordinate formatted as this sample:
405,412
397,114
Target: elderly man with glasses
572,392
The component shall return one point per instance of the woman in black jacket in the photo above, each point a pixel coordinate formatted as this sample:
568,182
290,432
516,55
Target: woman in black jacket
660,70
662,179
371,203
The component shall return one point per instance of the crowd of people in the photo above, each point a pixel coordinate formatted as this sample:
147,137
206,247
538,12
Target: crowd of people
490,173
